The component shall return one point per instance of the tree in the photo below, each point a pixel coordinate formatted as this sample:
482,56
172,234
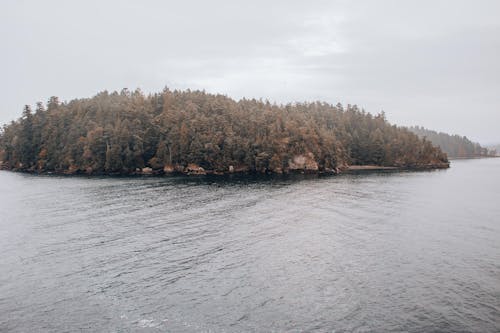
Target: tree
26,148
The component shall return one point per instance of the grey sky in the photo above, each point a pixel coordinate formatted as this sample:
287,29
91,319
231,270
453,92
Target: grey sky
431,63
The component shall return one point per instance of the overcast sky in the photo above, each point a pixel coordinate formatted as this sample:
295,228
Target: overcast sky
431,63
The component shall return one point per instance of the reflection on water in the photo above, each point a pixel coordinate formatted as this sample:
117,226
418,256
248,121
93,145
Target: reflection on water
398,251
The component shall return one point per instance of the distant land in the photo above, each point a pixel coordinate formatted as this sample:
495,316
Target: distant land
455,146
494,149
193,132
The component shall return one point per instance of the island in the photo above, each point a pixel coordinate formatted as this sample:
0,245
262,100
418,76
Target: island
197,133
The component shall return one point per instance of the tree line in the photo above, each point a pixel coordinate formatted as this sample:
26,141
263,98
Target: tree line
455,146
180,131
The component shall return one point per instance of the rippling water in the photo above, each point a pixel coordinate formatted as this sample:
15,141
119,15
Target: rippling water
399,251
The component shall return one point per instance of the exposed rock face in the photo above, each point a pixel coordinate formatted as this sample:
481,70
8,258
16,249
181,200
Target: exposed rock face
241,168
195,169
305,162
147,171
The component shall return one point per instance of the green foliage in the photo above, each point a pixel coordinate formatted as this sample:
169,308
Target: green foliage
120,132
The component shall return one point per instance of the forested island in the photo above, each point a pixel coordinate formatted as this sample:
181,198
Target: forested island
193,132
455,146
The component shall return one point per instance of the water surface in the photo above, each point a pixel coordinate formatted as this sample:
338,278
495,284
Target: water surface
369,252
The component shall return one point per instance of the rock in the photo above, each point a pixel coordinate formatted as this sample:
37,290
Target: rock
331,171
241,168
194,169
147,171
304,162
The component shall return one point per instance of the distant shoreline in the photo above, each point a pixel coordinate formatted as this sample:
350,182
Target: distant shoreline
471,158
363,168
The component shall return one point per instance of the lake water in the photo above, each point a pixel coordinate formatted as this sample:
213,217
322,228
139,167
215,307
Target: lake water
371,252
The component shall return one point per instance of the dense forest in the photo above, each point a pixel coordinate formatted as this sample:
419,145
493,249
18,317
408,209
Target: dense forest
455,146
196,132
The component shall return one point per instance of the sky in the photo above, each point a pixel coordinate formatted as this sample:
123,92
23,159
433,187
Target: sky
429,63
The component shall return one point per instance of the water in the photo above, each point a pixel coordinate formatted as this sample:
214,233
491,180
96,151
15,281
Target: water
373,252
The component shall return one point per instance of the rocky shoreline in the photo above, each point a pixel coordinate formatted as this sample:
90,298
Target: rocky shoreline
300,166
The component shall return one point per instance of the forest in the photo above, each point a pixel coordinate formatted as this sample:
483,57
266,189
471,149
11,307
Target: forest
194,132
455,146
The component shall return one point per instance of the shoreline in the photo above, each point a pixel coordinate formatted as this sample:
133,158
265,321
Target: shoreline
161,173
471,158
